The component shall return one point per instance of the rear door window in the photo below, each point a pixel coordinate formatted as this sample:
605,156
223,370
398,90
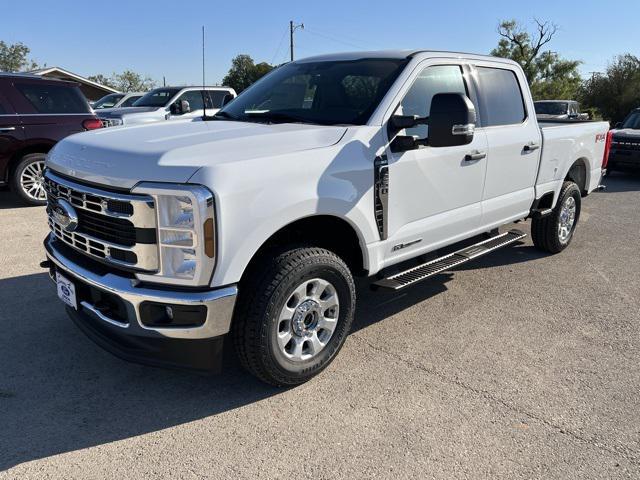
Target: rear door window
216,97
500,97
53,99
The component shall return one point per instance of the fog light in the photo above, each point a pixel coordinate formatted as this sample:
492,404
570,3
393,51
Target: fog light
161,315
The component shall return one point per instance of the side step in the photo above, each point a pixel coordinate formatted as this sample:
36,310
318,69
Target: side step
438,265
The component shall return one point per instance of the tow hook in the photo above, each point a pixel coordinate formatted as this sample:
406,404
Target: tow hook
46,264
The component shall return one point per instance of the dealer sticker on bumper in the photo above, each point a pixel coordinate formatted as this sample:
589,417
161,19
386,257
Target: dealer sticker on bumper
66,291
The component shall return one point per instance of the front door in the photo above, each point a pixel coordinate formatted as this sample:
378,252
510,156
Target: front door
434,193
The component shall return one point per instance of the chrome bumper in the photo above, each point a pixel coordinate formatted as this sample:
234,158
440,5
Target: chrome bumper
219,302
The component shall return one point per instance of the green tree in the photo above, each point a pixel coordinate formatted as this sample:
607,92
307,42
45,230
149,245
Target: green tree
13,57
127,81
616,92
244,72
101,79
550,76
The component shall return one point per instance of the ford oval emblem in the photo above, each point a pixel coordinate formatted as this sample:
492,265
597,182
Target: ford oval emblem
65,215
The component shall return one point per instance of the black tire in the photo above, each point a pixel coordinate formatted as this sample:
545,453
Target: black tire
263,295
16,184
545,231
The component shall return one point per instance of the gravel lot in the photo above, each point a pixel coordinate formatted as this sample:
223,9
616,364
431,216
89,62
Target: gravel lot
521,365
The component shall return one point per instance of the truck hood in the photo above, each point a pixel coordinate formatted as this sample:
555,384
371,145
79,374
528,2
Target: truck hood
121,112
174,151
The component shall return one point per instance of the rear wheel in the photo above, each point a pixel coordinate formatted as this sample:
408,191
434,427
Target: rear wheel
28,179
294,315
554,232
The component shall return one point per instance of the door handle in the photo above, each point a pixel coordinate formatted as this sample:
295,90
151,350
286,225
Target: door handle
7,129
475,155
531,146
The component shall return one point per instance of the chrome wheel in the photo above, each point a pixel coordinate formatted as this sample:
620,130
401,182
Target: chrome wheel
308,319
32,180
567,219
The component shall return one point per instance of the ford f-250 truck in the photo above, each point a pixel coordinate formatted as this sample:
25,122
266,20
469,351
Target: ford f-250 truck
168,239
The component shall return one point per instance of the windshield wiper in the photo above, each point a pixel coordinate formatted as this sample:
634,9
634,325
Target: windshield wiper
280,117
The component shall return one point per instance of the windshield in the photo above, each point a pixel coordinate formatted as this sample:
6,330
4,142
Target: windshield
552,108
632,121
328,93
156,98
108,101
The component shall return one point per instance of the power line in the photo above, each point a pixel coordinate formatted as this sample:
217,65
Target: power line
284,33
334,39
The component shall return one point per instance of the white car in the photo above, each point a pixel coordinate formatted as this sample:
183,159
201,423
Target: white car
169,239
117,100
169,103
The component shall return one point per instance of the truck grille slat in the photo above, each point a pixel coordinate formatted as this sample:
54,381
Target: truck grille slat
112,227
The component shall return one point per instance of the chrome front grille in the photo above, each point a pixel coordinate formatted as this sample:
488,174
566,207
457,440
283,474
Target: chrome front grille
112,227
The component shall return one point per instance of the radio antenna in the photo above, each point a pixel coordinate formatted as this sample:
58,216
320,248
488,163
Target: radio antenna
204,102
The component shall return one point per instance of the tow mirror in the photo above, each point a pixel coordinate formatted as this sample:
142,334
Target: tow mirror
452,120
400,122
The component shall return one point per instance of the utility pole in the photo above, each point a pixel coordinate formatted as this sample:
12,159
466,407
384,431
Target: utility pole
293,28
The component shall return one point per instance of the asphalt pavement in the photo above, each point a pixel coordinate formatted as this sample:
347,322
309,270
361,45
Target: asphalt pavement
520,365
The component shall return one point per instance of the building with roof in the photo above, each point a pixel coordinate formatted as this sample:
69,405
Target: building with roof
92,90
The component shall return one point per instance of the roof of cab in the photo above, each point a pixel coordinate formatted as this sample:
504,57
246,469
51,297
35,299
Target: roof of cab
399,55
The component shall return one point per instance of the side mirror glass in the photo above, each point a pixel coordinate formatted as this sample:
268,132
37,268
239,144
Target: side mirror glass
452,120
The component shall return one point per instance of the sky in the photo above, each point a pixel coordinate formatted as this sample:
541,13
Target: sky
163,38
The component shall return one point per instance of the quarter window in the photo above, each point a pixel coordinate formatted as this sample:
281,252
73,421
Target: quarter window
431,81
501,99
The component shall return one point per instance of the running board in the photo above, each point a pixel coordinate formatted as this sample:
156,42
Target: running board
438,265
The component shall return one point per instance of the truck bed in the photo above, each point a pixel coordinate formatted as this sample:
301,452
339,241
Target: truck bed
566,142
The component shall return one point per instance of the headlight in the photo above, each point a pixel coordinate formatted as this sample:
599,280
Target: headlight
186,239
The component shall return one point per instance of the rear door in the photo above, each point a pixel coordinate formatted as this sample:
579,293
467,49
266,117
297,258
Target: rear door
514,140
49,110
11,134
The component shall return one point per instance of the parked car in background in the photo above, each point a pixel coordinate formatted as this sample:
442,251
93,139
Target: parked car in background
249,226
169,103
117,100
625,144
559,109
35,113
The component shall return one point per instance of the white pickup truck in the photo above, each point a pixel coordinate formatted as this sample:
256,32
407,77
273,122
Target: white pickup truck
168,103
167,239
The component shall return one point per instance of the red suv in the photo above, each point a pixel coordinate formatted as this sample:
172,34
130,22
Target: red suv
35,113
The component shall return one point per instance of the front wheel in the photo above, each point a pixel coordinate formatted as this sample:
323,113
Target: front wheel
293,315
554,232
28,179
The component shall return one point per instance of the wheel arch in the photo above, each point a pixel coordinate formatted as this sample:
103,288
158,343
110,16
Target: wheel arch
41,147
322,230
578,173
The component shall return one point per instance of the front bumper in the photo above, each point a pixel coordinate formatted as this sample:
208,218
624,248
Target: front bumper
119,329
